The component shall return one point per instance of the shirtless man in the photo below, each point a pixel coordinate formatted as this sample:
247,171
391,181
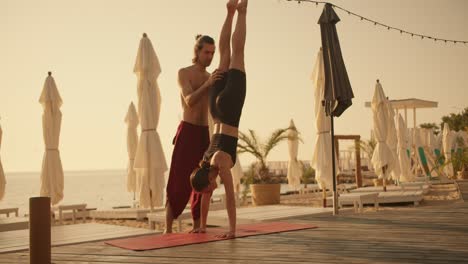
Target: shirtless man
192,137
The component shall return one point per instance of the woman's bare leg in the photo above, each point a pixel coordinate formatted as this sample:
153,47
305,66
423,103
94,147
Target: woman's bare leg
239,36
225,37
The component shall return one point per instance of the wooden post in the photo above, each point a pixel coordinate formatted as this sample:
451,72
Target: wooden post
39,230
358,163
384,178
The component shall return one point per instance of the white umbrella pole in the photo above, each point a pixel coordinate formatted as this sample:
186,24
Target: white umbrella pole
335,194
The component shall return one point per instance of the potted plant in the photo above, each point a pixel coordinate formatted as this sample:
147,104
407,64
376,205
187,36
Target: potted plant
263,188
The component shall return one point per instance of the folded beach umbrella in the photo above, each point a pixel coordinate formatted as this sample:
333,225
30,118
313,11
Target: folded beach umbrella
322,149
150,162
406,175
447,142
52,181
131,119
294,174
392,142
337,93
382,157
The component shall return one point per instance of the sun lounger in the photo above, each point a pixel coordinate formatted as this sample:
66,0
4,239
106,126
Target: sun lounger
8,211
358,200
77,210
123,213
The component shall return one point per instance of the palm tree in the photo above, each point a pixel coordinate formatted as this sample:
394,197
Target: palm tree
250,143
433,126
368,147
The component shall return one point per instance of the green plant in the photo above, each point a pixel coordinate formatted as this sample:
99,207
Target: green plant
250,143
435,128
308,175
459,159
458,121
460,156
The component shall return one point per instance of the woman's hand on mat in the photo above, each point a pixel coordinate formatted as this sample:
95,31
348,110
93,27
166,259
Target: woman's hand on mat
215,76
227,235
198,231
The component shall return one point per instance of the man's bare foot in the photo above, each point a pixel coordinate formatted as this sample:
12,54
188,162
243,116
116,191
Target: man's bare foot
242,6
167,231
231,6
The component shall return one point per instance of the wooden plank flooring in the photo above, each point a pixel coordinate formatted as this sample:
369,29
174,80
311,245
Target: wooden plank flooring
437,234
463,186
69,234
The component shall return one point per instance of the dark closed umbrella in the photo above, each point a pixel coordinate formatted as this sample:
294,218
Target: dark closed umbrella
337,91
337,86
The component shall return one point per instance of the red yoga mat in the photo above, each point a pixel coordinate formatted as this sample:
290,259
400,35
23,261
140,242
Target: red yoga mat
158,241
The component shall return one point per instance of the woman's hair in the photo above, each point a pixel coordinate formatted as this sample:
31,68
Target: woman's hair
200,40
199,179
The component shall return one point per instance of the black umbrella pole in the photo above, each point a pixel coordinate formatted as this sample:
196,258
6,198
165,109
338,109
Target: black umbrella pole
335,194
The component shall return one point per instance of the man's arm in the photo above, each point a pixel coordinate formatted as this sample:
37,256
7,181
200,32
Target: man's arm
191,96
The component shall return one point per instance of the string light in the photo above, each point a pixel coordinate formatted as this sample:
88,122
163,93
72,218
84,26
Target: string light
381,24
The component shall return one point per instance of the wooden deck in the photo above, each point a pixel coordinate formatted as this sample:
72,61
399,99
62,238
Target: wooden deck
463,187
18,240
437,234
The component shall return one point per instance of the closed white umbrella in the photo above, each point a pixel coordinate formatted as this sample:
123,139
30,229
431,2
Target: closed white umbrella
322,150
52,182
438,141
382,158
2,174
405,165
150,163
131,119
392,142
323,143
294,174
431,141
447,142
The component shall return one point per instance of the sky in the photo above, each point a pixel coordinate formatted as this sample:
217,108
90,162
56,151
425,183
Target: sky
90,46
